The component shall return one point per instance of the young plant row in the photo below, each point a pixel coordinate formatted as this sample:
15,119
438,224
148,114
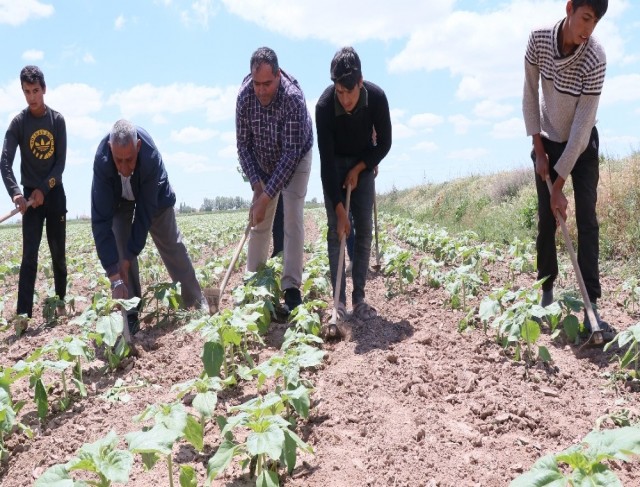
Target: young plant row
514,313
266,424
58,365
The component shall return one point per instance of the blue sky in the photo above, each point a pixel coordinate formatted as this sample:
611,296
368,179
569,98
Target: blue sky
452,71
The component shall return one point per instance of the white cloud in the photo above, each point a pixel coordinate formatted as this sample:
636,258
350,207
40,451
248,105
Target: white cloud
75,99
11,99
33,55
190,162
119,22
468,154
199,13
189,135
492,109
340,22
77,158
85,127
509,129
229,152
620,89
16,12
486,49
219,103
88,58
426,146
425,121
462,123
614,145
401,131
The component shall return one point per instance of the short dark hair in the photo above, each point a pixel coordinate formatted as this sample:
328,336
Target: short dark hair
599,6
346,68
264,55
32,74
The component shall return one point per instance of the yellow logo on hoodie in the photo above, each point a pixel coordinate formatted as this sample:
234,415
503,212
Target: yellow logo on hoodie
41,144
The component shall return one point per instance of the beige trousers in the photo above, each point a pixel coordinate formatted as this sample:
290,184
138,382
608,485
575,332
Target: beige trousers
293,197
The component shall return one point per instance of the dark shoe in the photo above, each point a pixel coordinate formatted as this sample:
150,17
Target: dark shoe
134,324
608,331
292,299
364,312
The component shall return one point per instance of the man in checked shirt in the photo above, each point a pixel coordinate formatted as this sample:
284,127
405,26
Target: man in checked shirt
275,135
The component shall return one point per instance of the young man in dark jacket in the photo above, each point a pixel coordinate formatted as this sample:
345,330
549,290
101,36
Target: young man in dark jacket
41,134
348,114
129,178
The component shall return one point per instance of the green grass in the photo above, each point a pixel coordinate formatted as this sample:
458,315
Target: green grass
502,206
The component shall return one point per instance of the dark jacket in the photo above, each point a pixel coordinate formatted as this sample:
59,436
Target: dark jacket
350,134
151,189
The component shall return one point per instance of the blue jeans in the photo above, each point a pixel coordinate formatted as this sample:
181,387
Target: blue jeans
54,212
361,209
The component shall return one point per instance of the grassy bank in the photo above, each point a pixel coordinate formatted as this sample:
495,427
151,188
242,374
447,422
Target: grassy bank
502,206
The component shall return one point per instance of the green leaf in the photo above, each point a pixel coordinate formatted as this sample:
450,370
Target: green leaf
267,478
194,433
618,443
222,459
289,453
543,353
57,476
544,473
188,476
103,457
571,327
81,387
269,441
601,476
300,400
110,327
212,358
116,466
41,399
158,439
149,460
530,331
205,403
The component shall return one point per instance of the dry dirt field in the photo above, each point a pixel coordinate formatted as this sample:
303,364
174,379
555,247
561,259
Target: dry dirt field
408,401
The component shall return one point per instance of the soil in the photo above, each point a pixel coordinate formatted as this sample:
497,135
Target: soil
408,401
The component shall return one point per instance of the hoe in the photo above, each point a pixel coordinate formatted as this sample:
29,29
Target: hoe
596,337
214,295
336,326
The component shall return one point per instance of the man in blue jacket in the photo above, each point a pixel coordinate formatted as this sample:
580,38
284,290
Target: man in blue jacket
129,178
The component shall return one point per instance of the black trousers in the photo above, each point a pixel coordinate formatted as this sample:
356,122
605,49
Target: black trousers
54,212
585,176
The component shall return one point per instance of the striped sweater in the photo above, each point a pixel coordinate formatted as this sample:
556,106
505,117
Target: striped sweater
571,87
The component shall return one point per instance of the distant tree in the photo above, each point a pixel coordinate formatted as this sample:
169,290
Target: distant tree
184,208
208,205
224,203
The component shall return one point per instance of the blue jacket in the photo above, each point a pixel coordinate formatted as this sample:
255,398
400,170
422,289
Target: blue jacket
152,192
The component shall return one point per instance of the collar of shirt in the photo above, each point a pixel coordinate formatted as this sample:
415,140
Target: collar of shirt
560,58
127,191
363,101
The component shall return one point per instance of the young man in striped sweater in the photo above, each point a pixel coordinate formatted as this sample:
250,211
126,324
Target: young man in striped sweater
568,64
